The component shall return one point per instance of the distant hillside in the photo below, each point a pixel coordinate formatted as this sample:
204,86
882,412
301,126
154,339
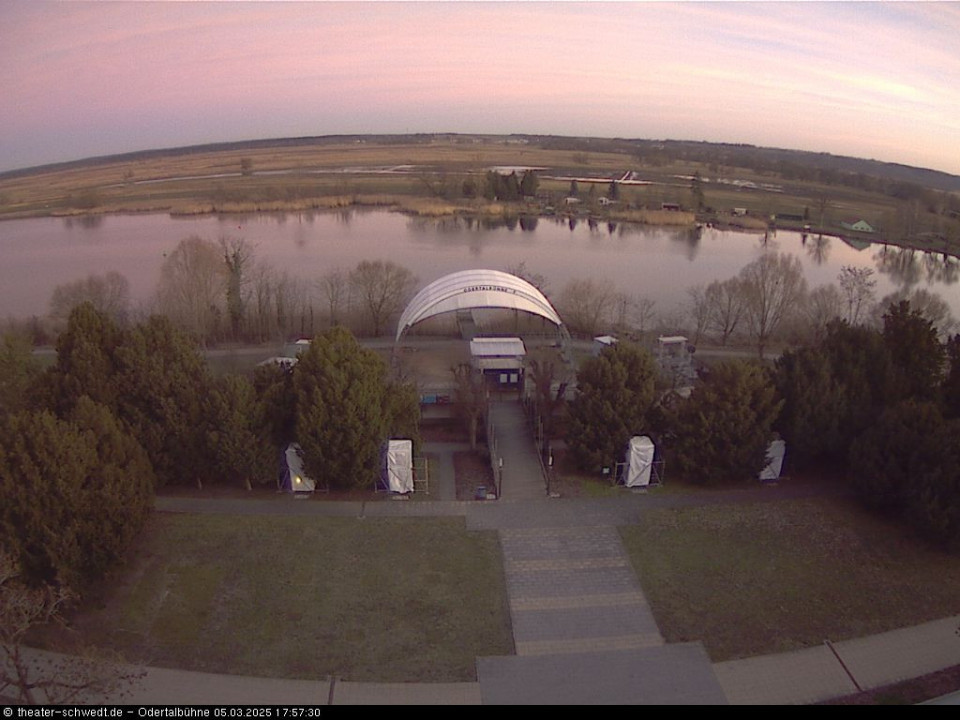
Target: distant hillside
788,164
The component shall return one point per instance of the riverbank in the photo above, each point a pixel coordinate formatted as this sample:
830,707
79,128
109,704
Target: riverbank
442,176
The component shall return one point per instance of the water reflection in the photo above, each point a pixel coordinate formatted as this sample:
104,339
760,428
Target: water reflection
528,223
663,261
818,248
87,222
901,264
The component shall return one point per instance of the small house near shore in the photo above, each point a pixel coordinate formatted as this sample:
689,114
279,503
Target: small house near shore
857,226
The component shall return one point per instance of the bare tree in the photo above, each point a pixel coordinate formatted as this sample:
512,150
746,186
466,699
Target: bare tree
238,259
109,293
726,302
547,374
524,273
930,305
586,305
334,289
858,286
823,304
470,395
262,297
192,284
698,308
773,286
33,678
382,287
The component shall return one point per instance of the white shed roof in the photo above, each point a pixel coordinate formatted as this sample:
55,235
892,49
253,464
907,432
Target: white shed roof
497,347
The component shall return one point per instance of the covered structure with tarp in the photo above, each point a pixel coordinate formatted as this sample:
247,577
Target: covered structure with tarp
290,476
473,290
396,467
775,454
640,468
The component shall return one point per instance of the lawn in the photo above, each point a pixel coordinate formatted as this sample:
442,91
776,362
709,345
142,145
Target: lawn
389,600
768,577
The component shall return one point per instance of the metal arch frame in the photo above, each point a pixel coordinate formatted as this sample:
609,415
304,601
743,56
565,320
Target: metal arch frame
453,292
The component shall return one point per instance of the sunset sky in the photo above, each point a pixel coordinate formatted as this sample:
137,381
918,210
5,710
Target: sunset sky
874,80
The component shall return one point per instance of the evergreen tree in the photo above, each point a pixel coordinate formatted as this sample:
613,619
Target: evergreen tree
237,434
529,184
915,351
615,397
814,407
277,399
895,452
86,361
723,430
163,385
18,373
75,492
951,384
345,410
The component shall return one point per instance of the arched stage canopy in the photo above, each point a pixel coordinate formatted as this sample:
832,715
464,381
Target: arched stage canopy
470,289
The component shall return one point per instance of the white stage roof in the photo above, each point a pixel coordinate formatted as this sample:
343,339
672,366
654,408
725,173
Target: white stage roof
472,289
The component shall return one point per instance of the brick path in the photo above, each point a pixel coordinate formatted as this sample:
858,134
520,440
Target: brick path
573,590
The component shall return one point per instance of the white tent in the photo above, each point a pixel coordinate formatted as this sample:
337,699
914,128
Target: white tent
775,453
396,467
469,289
639,462
291,477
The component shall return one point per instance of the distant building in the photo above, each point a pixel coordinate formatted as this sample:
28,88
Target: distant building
601,342
857,225
788,217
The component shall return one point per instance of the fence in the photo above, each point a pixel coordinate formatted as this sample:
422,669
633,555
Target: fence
540,442
496,462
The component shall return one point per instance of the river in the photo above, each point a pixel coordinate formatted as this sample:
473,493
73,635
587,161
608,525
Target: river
652,262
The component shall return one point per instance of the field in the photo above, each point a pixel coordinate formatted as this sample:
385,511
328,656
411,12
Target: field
425,177
769,577
307,597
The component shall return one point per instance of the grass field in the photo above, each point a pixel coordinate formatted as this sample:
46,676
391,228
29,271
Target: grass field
418,600
391,600
768,577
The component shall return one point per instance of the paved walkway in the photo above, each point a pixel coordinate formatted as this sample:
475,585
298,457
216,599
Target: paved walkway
522,478
443,482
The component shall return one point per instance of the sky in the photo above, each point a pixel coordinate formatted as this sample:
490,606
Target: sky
877,80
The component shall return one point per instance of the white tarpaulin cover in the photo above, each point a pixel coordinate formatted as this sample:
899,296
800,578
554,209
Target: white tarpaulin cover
469,289
291,477
775,453
639,461
397,469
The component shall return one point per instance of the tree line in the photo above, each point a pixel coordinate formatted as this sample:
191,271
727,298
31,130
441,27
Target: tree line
85,442
221,292
878,406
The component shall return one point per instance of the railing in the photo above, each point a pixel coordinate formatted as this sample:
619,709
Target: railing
539,445
496,462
